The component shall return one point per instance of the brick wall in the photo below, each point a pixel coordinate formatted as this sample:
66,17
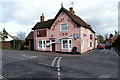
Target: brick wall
5,44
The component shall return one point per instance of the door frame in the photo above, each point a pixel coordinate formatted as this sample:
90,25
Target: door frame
54,47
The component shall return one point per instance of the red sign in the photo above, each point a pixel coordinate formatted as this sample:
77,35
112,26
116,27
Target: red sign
72,23
41,33
58,21
63,34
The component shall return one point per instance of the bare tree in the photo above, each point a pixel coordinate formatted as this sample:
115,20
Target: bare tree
21,35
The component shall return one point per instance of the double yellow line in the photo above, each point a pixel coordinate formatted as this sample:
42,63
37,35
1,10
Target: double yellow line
2,78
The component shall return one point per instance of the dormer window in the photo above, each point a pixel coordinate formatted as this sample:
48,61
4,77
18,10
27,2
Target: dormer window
64,27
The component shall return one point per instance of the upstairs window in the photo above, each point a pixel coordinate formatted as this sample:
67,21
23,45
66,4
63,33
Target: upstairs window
64,27
91,36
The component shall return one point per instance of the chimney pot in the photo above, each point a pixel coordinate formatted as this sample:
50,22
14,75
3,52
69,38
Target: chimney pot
71,10
42,18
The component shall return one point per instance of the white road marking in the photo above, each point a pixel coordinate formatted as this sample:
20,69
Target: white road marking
24,55
58,74
58,69
53,62
104,76
58,66
28,56
46,64
2,78
58,62
17,58
33,56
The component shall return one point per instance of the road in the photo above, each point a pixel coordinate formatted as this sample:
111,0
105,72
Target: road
34,64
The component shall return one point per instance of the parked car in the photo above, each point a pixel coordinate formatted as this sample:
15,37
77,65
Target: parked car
101,46
108,46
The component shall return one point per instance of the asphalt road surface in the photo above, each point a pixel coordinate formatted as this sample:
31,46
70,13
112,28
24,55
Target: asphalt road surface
33,64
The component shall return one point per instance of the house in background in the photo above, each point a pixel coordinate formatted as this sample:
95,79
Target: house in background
5,36
30,41
112,39
64,32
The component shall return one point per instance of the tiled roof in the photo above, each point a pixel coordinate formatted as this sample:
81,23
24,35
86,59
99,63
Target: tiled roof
30,36
41,25
75,18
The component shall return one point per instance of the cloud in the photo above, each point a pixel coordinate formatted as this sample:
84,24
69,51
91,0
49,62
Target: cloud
20,15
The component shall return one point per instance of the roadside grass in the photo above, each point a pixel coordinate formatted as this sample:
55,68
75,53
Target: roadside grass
9,49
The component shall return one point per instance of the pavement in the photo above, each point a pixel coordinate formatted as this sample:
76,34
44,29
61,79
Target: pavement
33,64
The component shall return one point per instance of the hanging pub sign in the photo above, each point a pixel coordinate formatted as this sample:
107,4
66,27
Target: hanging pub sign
41,33
84,35
76,36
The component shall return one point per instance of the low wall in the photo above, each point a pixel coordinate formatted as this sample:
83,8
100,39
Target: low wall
10,44
5,44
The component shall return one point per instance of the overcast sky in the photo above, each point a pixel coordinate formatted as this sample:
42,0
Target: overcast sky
22,15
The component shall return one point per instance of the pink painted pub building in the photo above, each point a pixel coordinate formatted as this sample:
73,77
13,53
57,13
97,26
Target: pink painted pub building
64,32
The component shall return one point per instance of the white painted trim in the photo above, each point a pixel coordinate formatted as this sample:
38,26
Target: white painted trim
82,44
63,24
67,43
42,44
82,30
88,33
88,43
50,46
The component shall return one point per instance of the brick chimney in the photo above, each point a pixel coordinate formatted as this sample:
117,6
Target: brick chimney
71,10
42,18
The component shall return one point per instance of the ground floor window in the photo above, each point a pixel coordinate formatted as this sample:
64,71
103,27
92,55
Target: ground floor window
90,44
66,44
41,44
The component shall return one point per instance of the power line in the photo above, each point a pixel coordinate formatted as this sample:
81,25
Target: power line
24,10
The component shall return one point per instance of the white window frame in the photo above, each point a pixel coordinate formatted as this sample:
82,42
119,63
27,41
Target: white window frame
82,44
67,43
61,27
88,32
42,44
82,30
93,43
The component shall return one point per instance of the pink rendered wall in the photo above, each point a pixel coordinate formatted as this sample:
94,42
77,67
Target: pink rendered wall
86,48
71,30
40,38
56,34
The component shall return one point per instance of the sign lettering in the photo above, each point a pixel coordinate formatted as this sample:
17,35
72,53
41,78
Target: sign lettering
56,23
69,20
63,34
